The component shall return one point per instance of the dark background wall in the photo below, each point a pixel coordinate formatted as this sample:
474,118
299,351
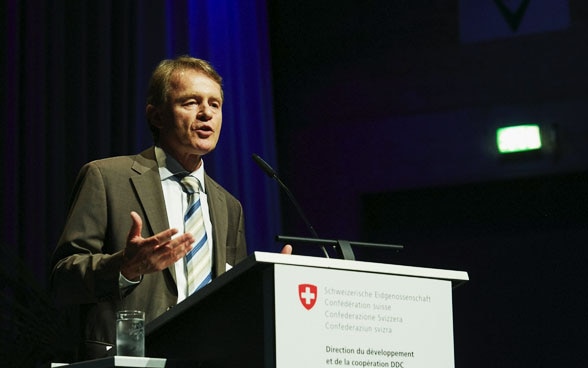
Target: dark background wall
386,121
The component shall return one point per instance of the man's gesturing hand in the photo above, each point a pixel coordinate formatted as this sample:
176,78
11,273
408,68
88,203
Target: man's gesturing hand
152,254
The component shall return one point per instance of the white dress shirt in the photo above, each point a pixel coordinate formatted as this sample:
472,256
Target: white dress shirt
176,203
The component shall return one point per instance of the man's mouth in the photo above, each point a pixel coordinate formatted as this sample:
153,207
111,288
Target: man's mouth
203,130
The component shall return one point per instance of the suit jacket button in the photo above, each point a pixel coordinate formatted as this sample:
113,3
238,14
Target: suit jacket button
169,308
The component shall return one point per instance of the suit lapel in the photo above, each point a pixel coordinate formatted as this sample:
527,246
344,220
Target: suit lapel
218,216
150,194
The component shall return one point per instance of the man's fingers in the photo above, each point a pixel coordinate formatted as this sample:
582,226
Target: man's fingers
157,252
182,241
166,254
162,238
136,226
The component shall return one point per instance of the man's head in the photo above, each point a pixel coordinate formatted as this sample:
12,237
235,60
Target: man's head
184,108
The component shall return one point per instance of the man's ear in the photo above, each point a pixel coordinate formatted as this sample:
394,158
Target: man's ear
153,115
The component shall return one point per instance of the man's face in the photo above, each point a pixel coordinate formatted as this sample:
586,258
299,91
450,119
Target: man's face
190,123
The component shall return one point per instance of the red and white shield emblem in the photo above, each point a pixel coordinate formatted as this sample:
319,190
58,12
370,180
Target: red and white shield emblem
307,293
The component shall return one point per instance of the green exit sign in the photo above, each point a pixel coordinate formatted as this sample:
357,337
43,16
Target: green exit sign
518,138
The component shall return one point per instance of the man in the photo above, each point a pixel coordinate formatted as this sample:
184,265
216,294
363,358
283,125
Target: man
100,266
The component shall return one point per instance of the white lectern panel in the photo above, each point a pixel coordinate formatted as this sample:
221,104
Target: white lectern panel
330,317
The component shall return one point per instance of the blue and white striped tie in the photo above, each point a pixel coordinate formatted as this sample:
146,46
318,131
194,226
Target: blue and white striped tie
198,260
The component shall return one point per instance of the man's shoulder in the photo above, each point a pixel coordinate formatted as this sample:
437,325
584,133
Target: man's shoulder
212,185
145,158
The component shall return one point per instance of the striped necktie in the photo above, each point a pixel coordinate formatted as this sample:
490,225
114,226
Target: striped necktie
198,260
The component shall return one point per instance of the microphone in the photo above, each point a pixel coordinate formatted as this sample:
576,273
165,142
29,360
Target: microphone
265,167
273,175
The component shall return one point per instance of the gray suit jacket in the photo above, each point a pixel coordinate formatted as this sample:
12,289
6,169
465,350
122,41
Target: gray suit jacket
87,260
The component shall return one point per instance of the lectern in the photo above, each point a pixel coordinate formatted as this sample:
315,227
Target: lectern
275,310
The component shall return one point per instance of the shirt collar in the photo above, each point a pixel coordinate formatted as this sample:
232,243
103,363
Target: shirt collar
170,168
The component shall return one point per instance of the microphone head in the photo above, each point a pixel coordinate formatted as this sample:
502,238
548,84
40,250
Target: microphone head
264,166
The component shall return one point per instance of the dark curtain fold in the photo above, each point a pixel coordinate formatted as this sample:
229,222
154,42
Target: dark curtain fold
75,75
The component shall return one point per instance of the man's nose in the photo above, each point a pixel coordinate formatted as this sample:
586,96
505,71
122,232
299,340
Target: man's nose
205,113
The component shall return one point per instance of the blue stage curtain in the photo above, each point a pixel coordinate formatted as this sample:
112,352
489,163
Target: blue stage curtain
74,76
233,36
